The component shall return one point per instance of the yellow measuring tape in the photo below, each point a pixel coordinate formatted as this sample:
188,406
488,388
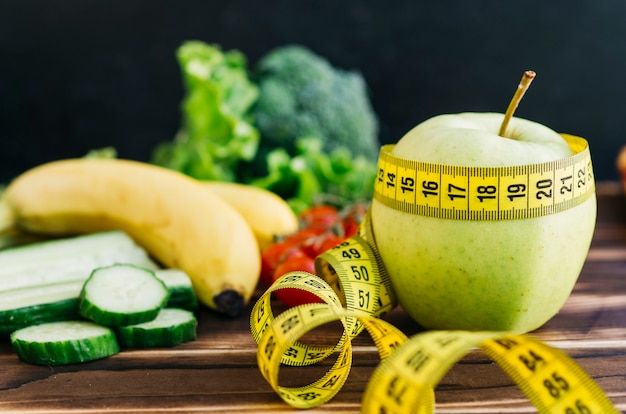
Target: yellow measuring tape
473,193
355,290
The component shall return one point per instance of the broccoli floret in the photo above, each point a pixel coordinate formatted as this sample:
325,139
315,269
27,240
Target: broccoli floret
302,94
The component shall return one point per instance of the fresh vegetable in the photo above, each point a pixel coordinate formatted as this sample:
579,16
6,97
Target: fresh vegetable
178,283
295,125
67,342
303,95
322,227
54,309
171,327
55,333
41,282
278,252
319,133
320,215
292,296
121,295
313,176
105,152
174,217
216,131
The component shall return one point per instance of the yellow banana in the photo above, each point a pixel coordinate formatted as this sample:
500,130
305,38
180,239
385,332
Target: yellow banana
7,220
174,217
267,213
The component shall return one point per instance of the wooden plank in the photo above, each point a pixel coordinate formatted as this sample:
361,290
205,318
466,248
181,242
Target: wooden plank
218,372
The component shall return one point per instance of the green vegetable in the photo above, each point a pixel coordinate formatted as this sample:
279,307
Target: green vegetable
302,94
179,285
216,132
122,294
67,342
58,309
170,328
314,176
41,282
105,152
297,126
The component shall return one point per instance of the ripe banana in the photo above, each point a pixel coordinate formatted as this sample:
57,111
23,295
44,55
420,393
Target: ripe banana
6,215
174,217
267,213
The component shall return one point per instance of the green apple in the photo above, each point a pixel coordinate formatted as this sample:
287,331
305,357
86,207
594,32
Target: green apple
510,275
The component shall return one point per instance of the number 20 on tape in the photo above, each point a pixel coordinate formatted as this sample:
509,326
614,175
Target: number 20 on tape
485,193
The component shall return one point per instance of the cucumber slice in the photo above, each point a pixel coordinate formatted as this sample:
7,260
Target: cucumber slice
181,290
170,328
37,275
61,343
122,294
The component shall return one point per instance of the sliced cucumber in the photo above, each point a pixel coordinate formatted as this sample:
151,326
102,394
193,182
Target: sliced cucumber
122,294
37,295
70,259
61,310
181,290
35,276
61,343
171,327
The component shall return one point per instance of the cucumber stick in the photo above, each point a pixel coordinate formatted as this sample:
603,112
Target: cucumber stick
62,310
122,294
171,327
44,277
66,342
68,259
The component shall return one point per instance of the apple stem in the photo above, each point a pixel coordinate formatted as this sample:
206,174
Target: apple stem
527,78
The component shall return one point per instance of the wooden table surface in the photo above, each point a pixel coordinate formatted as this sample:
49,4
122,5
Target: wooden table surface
218,372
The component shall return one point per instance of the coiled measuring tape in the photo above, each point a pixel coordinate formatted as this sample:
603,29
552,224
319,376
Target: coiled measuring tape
355,290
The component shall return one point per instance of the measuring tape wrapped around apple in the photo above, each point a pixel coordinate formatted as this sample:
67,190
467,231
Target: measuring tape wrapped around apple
477,251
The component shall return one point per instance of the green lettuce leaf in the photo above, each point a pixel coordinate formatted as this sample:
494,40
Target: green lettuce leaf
216,131
314,176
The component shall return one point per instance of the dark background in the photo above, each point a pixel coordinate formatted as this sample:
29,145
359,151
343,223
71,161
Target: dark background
81,74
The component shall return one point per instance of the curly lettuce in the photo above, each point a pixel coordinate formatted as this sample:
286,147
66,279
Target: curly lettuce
216,131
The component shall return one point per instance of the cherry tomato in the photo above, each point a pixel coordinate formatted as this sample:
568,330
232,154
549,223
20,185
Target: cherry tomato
275,254
306,234
350,226
319,216
295,297
313,247
329,243
322,227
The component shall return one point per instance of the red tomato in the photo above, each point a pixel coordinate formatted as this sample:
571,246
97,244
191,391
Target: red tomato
303,234
275,254
329,243
319,216
313,246
305,238
295,297
350,226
